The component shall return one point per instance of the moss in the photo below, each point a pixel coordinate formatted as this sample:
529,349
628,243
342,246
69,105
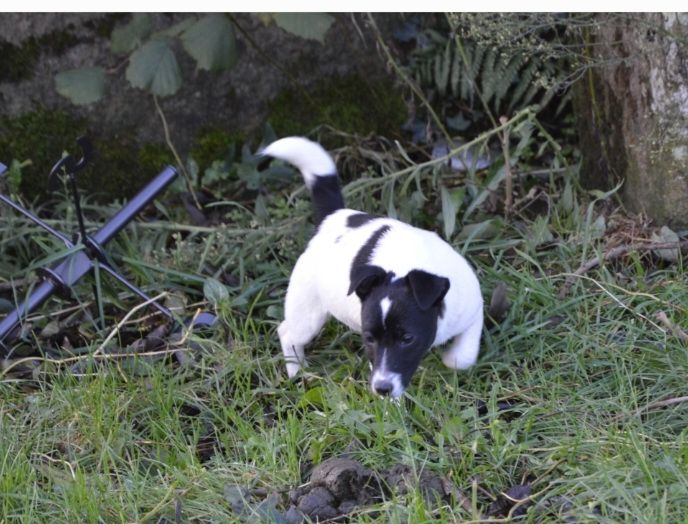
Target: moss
213,144
152,158
120,167
17,62
41,137
350,104
103,26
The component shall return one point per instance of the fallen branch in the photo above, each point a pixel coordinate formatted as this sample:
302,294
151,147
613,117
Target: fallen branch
613,254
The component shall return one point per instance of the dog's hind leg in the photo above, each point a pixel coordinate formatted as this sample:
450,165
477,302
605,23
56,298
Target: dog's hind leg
463,350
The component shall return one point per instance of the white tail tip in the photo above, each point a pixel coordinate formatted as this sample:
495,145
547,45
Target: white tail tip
308,156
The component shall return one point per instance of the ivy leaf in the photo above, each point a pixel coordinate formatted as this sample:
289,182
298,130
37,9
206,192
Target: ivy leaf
154,67
125,39
211,42
84,85
306,25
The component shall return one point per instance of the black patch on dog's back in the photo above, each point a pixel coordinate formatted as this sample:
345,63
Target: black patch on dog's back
365,253
359,219
326,196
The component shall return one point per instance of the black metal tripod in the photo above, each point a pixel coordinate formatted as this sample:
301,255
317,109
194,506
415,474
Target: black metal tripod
85,249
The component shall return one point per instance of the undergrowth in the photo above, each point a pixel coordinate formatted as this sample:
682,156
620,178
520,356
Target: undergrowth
576,394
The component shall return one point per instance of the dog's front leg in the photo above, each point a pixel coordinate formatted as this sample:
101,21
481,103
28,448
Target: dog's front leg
295,334
293,353
463,350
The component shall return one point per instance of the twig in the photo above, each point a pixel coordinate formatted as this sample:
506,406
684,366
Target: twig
613,254
363,183
103,356
177,158
169,497
11,364
508,179
9,286
675,330
664,403
657,404
124,320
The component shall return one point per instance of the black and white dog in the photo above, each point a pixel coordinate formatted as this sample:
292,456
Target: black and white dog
403,288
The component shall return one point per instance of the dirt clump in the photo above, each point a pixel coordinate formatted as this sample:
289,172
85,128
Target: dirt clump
337,486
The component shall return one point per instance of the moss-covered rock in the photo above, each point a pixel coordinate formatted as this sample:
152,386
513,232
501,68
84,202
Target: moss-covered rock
350,104
119,169
17,61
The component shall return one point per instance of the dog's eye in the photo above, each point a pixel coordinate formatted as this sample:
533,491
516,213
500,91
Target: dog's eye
368,337
407,338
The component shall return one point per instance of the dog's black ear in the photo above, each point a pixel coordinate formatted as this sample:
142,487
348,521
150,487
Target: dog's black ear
364,278
427,289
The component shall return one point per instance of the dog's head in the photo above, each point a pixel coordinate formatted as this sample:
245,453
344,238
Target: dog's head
398,322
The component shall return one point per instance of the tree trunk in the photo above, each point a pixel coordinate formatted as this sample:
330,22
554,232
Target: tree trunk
632,108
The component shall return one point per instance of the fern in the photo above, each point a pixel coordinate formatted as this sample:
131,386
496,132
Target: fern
450,70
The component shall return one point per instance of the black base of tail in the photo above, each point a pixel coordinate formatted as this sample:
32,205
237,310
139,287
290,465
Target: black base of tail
326,196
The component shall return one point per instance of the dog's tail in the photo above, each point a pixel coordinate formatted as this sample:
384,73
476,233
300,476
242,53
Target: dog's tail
318,169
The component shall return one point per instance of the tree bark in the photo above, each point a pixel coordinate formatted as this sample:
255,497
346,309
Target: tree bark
632,108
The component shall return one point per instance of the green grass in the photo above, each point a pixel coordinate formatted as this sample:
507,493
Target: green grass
558,398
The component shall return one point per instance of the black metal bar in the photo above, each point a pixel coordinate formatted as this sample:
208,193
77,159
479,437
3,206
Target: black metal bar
135,205
36,220
35,300
131,287
79,264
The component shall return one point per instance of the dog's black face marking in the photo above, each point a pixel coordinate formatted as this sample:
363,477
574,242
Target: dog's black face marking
359,219
362,275
399,324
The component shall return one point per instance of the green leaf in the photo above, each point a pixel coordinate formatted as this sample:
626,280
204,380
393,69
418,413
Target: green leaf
14,175
154,67
215,292
482,230
306,25
176,29
451,202
539,232
211,42
312,397
125,39
82,86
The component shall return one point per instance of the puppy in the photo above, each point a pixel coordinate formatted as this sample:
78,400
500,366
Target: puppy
403,288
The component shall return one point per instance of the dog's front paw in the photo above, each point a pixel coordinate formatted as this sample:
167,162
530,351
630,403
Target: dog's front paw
293,368
454,361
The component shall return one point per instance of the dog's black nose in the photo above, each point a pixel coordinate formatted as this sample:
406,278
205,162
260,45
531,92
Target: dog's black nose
383,387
